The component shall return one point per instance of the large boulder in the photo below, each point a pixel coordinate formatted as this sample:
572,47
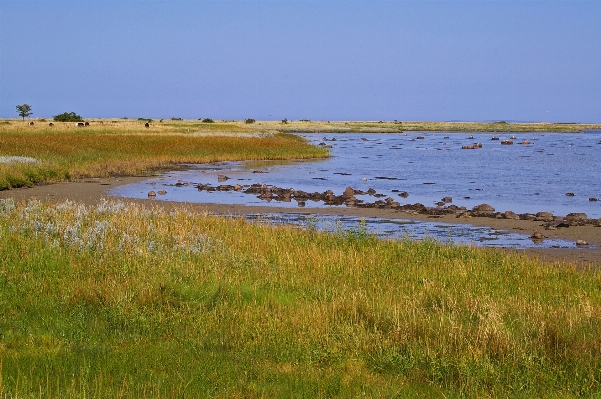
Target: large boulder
576,219
544,217
348,192
483,208
511,215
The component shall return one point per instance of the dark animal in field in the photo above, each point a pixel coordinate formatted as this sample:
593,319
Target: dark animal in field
79,124
147,124
51,124
87,124
30,123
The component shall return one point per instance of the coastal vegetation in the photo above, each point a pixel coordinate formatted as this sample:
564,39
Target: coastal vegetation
125,300
118,299
42,154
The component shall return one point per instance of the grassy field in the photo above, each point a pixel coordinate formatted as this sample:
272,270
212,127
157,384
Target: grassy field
121,300
42,154
117,300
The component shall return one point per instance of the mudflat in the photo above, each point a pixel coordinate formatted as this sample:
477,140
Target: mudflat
91,191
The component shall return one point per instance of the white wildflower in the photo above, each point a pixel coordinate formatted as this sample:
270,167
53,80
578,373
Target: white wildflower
7,159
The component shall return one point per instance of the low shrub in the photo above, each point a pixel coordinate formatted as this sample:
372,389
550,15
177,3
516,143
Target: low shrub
67,117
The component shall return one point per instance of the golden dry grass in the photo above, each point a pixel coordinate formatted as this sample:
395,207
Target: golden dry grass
116,148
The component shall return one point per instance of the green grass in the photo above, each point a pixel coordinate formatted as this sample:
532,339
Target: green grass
118,300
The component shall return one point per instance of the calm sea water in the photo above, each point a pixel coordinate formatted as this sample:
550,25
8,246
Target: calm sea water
522,178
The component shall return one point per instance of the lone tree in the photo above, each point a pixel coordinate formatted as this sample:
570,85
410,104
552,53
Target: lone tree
24,110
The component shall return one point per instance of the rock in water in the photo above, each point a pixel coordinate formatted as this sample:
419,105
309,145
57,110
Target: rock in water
537,235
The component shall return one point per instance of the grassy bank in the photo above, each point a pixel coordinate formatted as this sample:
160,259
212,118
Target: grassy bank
117,300
42,154
397,127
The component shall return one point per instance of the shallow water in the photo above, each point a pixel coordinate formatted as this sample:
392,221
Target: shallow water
415,230
523,178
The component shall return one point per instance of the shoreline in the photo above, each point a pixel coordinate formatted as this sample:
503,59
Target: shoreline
90,191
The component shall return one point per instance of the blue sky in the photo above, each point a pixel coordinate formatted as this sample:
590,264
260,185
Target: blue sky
320,60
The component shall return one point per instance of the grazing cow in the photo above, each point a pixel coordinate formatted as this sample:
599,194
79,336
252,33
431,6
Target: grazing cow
79,124
30,123
87,123
51,124
147,124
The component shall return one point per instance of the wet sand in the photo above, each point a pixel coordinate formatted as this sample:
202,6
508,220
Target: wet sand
90,191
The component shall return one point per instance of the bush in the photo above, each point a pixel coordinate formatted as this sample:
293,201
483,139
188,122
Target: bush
249,120
208,120
285,121
68,117
176,119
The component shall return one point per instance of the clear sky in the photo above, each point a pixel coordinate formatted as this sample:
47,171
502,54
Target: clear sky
320,60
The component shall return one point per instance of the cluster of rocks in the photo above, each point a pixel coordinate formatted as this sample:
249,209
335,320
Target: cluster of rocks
504,142
443,207
152,194
550,221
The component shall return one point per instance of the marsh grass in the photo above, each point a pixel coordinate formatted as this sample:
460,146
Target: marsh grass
65,152
120,300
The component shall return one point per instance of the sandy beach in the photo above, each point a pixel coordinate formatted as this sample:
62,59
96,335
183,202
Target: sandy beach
90,191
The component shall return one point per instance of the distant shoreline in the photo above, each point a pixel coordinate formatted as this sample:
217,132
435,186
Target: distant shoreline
307,126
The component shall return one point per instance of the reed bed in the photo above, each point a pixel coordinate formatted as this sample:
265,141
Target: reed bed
122,300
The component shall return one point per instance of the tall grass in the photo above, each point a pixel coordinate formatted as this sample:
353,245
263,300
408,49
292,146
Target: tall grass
64,153
119,300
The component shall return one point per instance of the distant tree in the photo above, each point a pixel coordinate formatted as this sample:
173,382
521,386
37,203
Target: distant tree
208,120
68,117
176,119
249,120
24,110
